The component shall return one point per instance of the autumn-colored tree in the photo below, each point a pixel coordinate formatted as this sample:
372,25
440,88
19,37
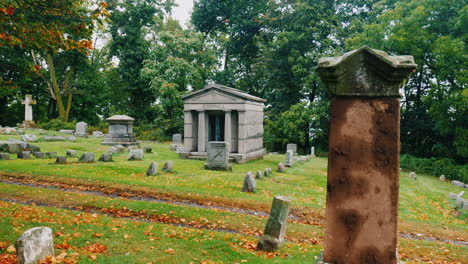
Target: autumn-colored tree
47,28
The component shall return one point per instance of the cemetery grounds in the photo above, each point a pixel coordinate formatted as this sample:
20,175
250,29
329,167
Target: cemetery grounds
113,213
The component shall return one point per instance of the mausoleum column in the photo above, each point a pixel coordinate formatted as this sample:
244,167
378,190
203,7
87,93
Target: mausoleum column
201,131
227,128
364,149
242,133
188,135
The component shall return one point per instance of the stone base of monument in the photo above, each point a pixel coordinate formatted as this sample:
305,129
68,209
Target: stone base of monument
81,135
124,140
28,124
319,260
233,157
184,155
219,167
269,244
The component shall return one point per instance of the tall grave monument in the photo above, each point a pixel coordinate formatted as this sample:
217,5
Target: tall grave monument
28,111
120,131
220,113
363,164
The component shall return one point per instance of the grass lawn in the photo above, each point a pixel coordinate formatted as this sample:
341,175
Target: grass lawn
113,213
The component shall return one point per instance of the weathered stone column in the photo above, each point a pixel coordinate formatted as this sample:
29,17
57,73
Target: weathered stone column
364,148
227,128
201,131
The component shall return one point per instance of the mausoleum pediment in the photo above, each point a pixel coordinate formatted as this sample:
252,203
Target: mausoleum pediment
214,97
214,93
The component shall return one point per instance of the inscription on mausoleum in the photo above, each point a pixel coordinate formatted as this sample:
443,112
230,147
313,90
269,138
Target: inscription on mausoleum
213,106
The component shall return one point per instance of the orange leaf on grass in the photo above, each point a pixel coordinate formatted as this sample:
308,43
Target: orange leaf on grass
95,248
169,251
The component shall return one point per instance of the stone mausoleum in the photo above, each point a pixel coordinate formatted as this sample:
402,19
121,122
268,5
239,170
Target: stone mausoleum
220,113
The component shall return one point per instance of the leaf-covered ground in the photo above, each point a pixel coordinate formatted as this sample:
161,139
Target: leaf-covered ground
113,213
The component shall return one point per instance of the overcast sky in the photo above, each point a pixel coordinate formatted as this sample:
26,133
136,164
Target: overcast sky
182,11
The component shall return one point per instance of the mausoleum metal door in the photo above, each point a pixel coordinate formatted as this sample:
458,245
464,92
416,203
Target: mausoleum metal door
216,127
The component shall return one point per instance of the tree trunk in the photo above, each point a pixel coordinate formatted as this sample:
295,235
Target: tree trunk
68,93
55,86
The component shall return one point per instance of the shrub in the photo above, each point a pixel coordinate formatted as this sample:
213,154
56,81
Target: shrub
56,124
437,167
150,133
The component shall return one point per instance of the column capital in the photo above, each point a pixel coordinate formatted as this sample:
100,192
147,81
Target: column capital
366,72
200,110
227,110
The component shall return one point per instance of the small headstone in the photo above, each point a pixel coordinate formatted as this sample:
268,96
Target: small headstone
312,151
98,134
51,154
289,158
442,177
4,156
71,138
61,160
281,167
412,175
177,139
24,155
249,183
174,147
28,137
453,196
180,149
87,157
292,147
259,175
460,201
136,154
130,148
268,172
34,148
167,166
34,245
218,156
153,169
458,183
71,153
13,147
121,147
147,149
113,150
275,229
39,155
81,129
106,157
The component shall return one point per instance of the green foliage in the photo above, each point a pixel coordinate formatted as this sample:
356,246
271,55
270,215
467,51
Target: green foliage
150,133
435,106
292,126
436,167
178,58
133,21
56,124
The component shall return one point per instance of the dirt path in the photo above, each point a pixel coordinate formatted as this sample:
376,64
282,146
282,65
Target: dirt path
297,215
